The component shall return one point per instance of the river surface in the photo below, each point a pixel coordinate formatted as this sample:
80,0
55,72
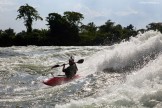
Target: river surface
124,75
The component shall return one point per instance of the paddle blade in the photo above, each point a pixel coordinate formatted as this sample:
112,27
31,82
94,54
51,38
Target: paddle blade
80,61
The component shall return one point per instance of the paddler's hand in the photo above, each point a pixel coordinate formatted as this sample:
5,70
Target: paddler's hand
63,65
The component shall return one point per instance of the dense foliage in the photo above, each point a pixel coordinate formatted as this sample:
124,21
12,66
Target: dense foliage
67,29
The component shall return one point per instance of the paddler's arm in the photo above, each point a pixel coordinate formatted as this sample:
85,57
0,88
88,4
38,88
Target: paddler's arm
63,69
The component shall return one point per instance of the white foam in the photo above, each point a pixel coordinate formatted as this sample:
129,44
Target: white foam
142,87
126,54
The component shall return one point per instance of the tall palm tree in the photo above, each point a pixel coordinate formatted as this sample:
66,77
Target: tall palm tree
29,14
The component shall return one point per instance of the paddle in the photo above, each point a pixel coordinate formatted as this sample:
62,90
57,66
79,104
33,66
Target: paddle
79,61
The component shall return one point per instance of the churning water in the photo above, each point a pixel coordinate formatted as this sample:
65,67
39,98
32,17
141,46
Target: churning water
125,75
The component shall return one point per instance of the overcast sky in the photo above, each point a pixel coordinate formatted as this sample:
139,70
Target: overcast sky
137,12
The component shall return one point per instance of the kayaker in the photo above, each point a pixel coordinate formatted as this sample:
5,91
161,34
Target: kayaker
71,70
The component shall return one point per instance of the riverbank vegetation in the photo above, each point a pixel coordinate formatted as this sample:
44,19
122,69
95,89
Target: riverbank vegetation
67,30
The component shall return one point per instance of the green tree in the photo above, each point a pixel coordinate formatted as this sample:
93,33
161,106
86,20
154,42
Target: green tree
57,25
130,27
107,27
6,37
29,14
105,33
90,29
74,20
88,33
73,17
128,32
64,29
55,22
20,38
154,26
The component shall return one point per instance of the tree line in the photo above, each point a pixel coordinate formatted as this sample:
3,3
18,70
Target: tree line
67,30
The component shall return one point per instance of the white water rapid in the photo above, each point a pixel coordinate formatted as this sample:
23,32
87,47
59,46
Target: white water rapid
124,75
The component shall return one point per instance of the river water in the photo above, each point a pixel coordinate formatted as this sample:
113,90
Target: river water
124,75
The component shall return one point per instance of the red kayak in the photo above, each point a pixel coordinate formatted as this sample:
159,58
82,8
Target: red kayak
59,80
